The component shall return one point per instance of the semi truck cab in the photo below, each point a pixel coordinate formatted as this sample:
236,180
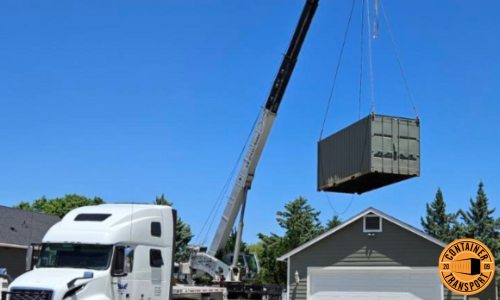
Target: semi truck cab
111,251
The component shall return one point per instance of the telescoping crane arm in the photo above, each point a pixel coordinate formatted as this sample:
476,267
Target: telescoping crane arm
246,174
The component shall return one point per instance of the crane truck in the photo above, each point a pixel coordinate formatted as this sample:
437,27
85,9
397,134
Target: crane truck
126,251
237,267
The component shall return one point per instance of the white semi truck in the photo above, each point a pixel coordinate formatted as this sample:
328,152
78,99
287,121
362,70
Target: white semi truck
112,251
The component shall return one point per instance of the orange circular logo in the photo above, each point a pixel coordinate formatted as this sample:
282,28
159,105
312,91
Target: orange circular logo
466,266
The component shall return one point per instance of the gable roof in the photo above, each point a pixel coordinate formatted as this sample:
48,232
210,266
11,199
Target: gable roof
357,217
20,228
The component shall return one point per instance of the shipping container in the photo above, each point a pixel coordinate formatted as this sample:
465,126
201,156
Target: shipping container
469,266
372,153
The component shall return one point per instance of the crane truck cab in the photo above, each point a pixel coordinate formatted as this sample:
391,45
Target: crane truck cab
111,251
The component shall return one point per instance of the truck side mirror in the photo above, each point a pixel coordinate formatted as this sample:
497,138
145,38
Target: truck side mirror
119,262
129,259
4,275
29,258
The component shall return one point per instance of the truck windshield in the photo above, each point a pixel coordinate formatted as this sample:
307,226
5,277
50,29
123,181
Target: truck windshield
79,256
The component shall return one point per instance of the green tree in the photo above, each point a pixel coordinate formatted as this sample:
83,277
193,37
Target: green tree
231,242
333,222
161,200
480,224
59,206
437,222
255,248
183,234
272,270
300,220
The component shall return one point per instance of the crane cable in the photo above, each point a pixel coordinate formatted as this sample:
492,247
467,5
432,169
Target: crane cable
361,57
337,69
360,87
215,208
374,35
345,210
370,36
398,58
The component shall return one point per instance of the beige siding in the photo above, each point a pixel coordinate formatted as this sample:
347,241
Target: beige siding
13,259
395,246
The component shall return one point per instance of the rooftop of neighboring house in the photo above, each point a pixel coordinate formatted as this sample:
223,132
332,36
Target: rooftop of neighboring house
20,228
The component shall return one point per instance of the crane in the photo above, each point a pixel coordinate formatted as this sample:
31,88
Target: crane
203,260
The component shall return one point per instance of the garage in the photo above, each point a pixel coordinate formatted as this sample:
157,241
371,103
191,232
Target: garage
375,284
370,256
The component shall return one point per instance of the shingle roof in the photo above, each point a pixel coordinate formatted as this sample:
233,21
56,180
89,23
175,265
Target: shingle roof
21,228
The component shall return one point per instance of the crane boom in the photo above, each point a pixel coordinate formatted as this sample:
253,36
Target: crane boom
246,174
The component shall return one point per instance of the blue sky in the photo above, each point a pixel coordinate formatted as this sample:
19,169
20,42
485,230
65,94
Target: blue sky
130,99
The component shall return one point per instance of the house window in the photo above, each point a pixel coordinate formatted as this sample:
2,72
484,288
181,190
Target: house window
372,223
156,229
155,259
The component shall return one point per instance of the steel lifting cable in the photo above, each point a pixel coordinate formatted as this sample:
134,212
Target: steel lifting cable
337,69
361,57
335,81
370,59
395,48
345,210
222,193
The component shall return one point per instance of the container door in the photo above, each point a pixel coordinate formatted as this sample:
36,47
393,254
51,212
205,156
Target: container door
377,152
403,140
414,148
409,147
382,145
395,145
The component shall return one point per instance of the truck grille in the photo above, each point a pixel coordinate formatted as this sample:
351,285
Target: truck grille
22,294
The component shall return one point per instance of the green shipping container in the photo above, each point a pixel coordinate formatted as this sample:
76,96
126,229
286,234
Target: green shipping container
372,153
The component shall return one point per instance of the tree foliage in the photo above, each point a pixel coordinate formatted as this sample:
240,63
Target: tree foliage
59,206
255,248
300,220
231,242
479,223
272,270
437,222
333,222
183,234
301,224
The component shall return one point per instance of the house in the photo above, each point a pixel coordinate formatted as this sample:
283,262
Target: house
370,256
18,230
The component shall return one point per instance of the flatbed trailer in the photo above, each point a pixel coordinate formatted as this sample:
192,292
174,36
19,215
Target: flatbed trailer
199,292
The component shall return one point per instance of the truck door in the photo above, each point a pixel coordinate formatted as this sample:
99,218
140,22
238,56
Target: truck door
123,283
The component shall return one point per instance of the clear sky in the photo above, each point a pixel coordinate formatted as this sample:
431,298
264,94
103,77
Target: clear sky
130,99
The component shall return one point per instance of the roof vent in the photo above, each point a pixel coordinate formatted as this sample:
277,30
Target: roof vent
372,223
92,217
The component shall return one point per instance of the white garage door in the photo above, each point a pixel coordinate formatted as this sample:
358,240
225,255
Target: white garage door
373,284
